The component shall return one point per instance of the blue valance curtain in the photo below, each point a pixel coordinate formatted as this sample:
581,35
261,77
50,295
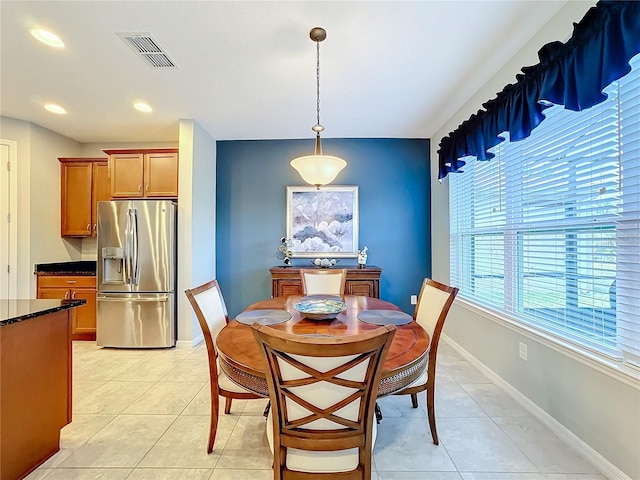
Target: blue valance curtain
572,74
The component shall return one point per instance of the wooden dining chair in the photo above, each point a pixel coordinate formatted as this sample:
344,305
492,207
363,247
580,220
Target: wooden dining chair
434,302
327,281
322,391
211,311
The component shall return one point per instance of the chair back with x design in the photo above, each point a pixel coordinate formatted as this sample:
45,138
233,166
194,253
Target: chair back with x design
323,392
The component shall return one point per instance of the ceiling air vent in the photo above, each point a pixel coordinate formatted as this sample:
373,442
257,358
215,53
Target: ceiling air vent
148,48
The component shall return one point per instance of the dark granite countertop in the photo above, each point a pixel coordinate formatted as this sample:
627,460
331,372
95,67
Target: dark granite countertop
13,311
83,267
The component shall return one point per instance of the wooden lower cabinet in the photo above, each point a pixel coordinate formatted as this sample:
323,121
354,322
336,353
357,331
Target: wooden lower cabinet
65,287
360,281
35,381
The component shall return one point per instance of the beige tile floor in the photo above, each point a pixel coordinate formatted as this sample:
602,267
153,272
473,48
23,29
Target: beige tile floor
143,415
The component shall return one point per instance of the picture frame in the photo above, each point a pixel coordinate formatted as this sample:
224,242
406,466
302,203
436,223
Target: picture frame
323,222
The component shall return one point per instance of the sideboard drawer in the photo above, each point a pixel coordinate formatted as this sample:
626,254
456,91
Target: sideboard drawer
360,281
367,288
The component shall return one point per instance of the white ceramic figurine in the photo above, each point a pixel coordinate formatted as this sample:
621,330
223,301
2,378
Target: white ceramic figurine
362,257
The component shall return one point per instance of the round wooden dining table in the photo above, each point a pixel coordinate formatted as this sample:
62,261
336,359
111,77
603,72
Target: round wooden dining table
242,361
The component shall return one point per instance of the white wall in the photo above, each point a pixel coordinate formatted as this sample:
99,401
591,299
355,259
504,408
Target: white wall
38,172
46,243
19,132
597,403
203,213
196,221
95,149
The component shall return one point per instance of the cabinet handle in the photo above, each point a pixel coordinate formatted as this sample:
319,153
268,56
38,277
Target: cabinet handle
73,295
147,187
66,295
95,227
139,188
72,281
88,227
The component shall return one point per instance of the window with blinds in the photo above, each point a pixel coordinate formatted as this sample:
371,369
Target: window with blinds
548,231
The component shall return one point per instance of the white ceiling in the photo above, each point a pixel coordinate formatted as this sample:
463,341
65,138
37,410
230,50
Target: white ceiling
247,69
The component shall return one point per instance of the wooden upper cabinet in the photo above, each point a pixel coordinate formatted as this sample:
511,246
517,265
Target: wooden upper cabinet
147,173
126,170
83,182
161,174
100,192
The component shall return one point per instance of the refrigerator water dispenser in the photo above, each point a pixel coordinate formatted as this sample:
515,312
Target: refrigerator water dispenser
112,264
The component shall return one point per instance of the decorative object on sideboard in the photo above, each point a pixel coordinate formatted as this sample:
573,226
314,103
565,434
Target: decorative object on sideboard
325,262
284,251
362,257
318,169
323,223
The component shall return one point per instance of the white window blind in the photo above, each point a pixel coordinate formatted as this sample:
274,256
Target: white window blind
549,230
628,226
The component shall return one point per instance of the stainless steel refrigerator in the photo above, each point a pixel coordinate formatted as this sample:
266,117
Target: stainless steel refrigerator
136,273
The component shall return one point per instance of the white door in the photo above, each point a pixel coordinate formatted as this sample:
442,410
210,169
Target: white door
8,220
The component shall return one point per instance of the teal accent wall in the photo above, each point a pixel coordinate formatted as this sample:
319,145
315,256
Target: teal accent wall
393,178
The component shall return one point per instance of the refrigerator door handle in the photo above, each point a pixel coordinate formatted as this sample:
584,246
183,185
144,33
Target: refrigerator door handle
127,250
136,247
112,298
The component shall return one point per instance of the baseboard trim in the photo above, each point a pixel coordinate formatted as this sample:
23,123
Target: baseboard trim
601,463
190,343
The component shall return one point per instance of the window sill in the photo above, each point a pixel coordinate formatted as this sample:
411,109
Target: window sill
619,370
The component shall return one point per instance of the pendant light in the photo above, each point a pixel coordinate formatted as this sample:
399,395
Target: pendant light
318,169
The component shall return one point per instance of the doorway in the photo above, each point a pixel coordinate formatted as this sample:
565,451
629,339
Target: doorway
8,219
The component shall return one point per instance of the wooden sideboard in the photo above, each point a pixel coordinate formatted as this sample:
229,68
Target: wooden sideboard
360,281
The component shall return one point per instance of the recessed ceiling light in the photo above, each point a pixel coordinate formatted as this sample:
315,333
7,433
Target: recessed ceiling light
142,107
47,37
53,108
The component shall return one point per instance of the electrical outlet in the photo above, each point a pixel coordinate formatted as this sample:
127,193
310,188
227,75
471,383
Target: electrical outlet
414,299
522,350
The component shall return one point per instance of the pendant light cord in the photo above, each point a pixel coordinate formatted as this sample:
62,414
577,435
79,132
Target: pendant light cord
318,81
318,127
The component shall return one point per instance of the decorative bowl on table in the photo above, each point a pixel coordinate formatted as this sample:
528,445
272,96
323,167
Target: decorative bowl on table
320,307
324,262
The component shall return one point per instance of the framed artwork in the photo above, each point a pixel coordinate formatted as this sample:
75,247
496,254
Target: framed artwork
323,222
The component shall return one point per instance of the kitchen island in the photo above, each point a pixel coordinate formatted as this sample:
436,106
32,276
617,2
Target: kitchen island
35,381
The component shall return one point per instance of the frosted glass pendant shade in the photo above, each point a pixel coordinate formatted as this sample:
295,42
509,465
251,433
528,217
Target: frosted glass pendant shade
318,170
